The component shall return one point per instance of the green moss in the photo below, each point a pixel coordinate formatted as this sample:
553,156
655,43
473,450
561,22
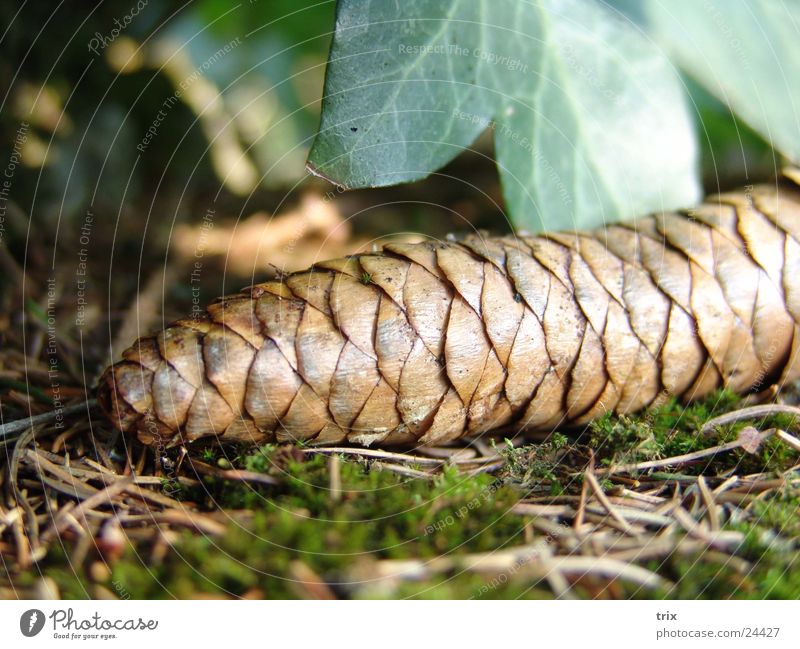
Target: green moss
673,429
774,575
536,466
380,515
779,514
377,514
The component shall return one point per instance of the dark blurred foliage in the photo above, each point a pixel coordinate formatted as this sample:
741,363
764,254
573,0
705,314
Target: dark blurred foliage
89,109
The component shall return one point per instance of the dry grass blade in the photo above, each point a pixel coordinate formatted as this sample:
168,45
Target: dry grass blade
403,470
238,475
487,468
577,524
155,497
553,511
611,569
686,457
720,540
335,478
454,455
191,520
403,458
421,460
633,515
791,440
712,510
526,562
65,476
103,497
753,412
604,501
557,581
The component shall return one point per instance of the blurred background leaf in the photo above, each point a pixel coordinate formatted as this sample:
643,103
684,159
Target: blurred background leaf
746,53
589,119
257,104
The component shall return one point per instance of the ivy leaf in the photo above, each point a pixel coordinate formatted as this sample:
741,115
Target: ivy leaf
589,119
746,53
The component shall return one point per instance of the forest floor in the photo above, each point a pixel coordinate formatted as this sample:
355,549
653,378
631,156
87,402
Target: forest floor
697,501
632,507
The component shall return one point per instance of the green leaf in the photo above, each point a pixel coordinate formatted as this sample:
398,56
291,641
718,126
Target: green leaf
746,53
589,119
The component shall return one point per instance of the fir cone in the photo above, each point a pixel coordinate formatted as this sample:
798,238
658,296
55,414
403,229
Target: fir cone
425,343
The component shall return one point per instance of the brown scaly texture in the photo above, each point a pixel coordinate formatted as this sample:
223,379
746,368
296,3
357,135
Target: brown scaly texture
424,343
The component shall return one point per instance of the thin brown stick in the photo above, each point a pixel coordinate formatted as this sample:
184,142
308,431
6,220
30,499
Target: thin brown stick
19,425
